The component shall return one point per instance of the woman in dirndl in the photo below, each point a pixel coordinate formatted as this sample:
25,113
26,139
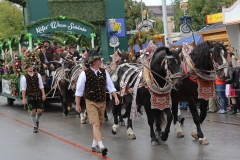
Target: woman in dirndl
230,91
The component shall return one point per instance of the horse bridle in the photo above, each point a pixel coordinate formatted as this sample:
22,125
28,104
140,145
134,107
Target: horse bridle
216,66
169,73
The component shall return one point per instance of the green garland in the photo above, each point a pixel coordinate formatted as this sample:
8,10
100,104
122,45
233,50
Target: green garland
14,40
59,18
93,10
135,39
57,39
71,38
23,36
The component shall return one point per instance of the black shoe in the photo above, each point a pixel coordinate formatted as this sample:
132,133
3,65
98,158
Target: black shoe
35,130
139,111
104,151
106,118
37,124
232,112
209,111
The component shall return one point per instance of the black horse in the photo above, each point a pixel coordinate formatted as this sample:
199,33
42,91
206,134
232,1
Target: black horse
207,57
158,68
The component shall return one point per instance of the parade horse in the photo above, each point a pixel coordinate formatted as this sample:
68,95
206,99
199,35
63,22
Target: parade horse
200,67
61,82
128,80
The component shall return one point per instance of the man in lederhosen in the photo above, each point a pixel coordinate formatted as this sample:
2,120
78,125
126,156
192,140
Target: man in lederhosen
33,94
93,82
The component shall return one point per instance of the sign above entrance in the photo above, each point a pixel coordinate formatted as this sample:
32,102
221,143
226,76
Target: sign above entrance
75,27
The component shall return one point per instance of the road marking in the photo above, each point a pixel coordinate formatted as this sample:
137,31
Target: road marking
58,137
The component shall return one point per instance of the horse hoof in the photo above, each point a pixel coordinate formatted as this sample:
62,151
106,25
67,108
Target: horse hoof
194,135
83,121
180,134
130,133
155,143
164,136
157,133
203,141
132,136
122,123
69,109
114,132
114,129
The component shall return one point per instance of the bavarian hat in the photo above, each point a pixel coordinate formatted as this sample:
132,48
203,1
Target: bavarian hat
94,56
42,46
46,41
27,65
71,46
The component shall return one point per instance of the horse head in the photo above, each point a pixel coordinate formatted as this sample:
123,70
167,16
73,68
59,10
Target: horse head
120,57
167,63
219,56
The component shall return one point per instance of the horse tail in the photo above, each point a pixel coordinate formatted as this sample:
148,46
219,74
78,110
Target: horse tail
161,118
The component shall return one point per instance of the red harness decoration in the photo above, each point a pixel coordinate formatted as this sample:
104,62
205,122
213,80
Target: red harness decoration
186,71
206,89
160,101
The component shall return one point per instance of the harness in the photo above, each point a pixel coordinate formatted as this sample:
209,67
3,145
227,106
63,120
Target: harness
206,88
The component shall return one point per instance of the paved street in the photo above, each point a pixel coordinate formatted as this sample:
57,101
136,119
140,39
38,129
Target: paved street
64,138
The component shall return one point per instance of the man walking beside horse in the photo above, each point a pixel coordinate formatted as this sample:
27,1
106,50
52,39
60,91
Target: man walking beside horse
93,82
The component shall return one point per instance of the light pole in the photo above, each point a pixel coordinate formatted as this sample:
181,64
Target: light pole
136,21
165,22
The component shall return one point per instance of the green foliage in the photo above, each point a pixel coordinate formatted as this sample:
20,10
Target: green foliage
11,19
158,29
132,13
198,9
19,2
57,39
91,12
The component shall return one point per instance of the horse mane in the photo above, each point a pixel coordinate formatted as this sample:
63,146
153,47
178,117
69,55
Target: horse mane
162,48
201,56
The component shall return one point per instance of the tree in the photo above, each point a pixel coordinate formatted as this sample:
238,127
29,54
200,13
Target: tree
19,2
11,17
132,13
198,9
158,29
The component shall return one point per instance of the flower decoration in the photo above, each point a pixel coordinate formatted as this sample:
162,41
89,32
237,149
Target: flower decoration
33,59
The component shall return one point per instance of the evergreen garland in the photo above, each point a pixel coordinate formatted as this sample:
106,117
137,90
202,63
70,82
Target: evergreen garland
57,39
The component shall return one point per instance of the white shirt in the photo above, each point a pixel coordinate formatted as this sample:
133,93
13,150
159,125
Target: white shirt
82,80
24,83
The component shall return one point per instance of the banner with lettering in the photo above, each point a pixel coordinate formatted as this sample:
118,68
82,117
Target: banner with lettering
61,25
118,26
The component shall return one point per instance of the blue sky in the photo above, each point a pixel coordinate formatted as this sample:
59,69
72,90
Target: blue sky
155,2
